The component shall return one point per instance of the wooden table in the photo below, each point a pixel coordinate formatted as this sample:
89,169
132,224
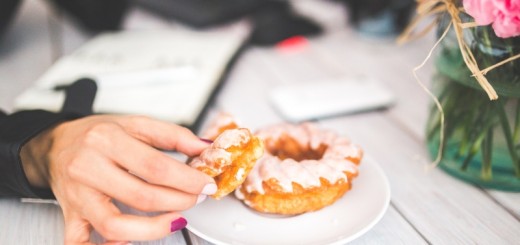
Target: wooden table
426,206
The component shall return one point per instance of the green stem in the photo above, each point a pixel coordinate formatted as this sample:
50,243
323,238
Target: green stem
509,138
469,135
487,152
487,41
477,131
475,139
472,151
474,124
516,133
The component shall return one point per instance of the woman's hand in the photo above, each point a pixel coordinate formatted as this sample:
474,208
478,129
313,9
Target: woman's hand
91,161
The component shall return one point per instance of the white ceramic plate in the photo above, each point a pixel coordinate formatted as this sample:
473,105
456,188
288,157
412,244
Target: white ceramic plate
228,221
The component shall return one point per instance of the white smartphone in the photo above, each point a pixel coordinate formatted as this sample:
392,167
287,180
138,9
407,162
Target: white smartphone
306,101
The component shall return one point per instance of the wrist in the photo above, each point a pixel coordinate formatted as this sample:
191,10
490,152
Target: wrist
35,159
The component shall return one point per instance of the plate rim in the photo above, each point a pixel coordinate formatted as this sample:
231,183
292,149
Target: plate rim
347,239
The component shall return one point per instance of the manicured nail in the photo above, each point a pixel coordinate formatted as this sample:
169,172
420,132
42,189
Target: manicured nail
201,198
178,224
206,140
209,189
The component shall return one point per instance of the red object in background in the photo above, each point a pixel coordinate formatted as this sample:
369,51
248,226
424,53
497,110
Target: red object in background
292,44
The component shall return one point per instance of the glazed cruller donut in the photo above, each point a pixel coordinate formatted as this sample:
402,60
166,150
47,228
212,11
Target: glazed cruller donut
303,169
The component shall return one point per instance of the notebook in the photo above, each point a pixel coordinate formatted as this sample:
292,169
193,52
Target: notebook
166,74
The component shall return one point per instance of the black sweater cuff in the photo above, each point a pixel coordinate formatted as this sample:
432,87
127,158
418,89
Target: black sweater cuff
16,130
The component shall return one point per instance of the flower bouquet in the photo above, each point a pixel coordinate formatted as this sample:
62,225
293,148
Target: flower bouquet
474,129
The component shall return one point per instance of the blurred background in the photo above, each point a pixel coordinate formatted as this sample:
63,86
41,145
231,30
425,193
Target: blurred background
297,37
250,53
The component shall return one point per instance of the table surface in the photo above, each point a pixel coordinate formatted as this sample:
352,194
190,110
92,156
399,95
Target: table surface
425,207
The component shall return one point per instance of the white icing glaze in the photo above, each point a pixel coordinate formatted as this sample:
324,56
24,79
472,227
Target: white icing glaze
306,173
212,157
232,137
216,155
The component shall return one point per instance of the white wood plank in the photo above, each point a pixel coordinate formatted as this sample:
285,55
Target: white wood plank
392,229
388,63
443,209
25,51
510,200
245,92
196,240
295,66
29,223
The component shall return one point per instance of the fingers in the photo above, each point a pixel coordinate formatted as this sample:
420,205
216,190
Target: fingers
164,135
114,226
155,166
139,228
134,191
117,228
99,212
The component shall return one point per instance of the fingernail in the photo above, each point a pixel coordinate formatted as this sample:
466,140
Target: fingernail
178,224
209,189
201,198
206,140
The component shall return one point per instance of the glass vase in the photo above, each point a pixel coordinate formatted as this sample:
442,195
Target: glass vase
481,137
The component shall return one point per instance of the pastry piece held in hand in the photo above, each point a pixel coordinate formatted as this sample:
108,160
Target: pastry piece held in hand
229,159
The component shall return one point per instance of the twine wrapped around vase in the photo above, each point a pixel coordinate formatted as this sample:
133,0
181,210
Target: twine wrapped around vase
434,9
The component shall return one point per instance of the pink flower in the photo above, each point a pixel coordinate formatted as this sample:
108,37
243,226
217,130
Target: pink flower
504,15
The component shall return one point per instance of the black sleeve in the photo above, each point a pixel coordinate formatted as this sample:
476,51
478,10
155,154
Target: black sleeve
20,127
16,130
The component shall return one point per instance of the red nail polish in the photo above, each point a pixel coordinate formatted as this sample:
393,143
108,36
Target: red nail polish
206,140
178,224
